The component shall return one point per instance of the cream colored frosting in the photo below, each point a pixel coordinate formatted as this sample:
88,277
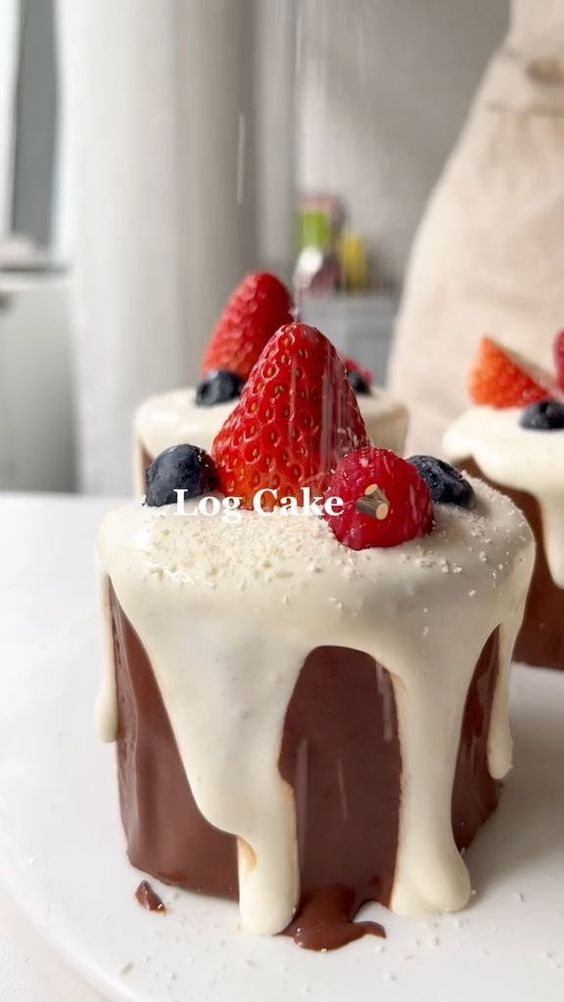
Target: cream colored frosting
521,458
229,611
171,418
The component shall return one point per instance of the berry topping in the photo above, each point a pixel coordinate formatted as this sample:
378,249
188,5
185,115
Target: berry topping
255,311
547,415
447,485
501,378
559,359
297,417
218,387
182,467
360,379
358,382
386,501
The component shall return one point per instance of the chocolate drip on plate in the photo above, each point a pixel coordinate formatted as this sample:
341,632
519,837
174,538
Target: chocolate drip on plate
325,921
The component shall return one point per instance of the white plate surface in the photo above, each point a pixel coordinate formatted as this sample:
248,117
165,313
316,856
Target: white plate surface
62,850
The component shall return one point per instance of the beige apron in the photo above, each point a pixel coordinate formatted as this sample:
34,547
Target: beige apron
489,255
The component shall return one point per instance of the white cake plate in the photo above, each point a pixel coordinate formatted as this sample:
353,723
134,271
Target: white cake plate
62,849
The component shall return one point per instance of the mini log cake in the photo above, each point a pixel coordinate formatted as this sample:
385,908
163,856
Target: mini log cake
310,710
514,440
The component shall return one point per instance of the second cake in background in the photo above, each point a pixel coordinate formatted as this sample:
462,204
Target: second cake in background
255,311
513,439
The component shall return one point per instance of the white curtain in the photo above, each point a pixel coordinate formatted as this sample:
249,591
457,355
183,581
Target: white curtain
160,139
119,124
9,37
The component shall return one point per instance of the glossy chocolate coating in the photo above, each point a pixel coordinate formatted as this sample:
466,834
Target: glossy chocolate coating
149,899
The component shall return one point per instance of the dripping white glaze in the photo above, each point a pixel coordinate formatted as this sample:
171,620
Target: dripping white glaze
105,712
526,460
170,418
229,613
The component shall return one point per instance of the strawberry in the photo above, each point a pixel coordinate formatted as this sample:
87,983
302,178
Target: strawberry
296,418
559,358
386,501
256,309
502,378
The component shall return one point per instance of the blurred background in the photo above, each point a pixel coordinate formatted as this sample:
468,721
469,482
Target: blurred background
152,153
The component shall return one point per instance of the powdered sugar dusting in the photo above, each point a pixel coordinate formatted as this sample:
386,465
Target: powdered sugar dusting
252,550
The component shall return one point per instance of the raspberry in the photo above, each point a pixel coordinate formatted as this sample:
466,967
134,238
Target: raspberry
559,359
386,501
296,418
501,378
255,311
352,366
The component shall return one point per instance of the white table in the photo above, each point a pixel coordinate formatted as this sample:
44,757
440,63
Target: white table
30,971
512,935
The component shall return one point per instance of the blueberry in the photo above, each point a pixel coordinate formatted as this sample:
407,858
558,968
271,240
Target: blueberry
547,415
358,383
446,484
218,387
182,467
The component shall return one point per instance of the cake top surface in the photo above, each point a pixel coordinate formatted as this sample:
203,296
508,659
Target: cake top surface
171,417
176,411
168,418
500,444
241,551
516,431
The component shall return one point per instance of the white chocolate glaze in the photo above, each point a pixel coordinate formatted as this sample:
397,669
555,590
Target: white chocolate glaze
106,715
228,612
521,458
171,418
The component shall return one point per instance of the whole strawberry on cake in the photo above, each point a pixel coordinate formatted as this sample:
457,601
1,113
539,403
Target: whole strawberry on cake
309,644
513,438
256,309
